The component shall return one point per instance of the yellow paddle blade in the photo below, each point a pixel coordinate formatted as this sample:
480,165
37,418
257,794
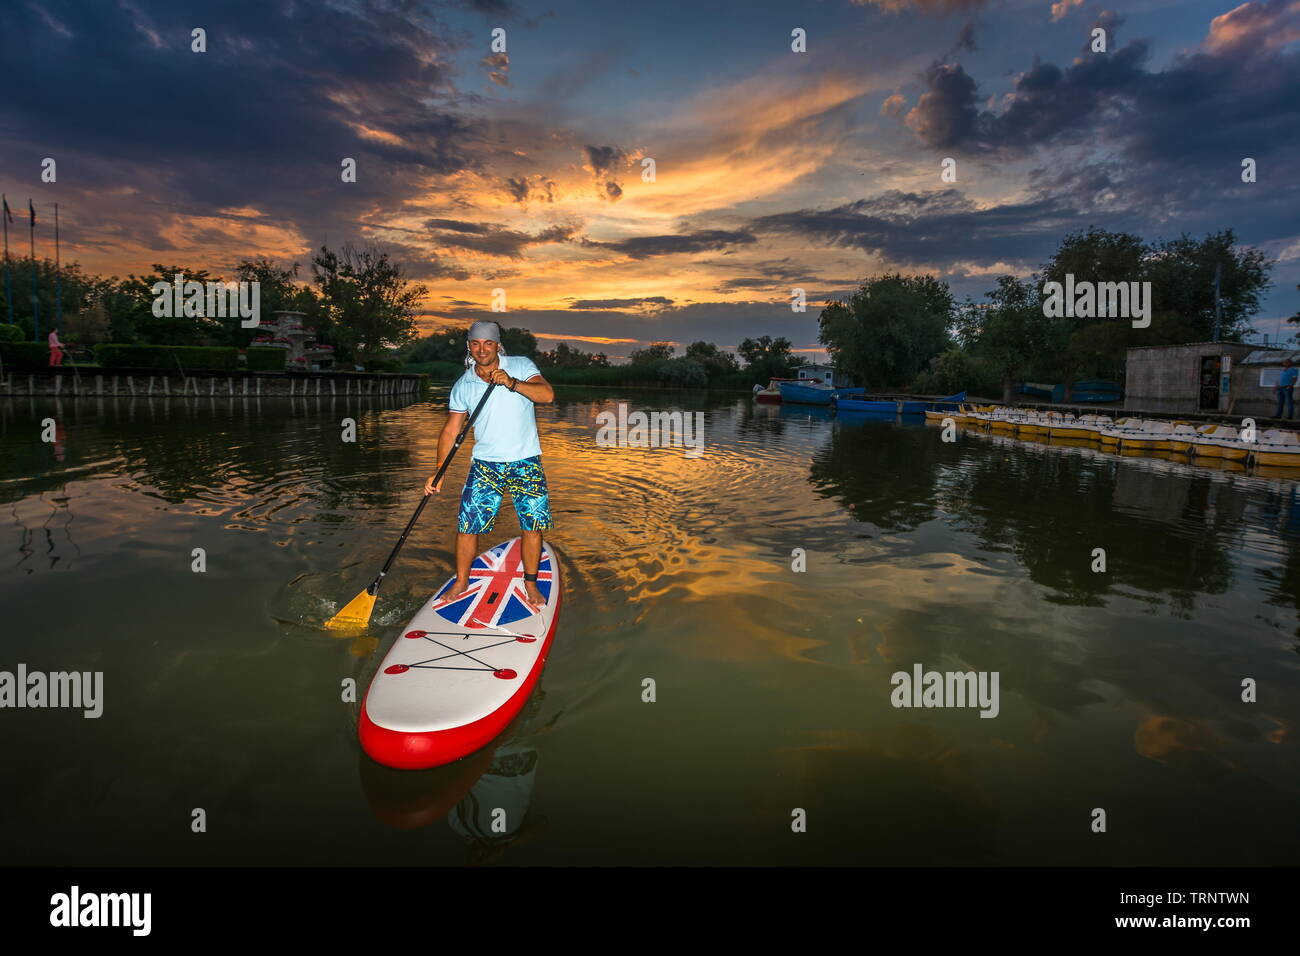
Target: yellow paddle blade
355,616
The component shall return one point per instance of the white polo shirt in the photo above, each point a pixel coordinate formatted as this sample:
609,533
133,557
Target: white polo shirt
506,429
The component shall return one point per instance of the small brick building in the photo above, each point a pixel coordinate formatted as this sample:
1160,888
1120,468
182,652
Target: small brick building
1197,377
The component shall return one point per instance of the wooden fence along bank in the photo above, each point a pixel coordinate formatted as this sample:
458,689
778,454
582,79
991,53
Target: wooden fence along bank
67,382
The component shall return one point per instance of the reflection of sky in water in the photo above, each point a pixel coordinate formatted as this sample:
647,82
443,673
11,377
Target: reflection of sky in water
1119,690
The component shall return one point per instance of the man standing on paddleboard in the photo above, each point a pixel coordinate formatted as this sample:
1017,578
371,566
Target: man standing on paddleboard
507,453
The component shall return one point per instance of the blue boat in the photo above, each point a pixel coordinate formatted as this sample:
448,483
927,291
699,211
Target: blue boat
898,407
1085,392
802,393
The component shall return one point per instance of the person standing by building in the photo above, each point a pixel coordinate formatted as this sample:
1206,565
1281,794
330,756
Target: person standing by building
1285,385
56,348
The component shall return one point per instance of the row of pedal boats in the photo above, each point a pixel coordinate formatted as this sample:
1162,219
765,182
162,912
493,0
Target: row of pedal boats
1271,446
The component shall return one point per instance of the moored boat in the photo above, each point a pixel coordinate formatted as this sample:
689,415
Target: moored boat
813,392
847,402
1184,435
1277,447
772,394
1221,441
1111,435
1151,435
1085,427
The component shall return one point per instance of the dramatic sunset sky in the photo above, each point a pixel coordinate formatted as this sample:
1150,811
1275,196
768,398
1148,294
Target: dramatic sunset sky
775,169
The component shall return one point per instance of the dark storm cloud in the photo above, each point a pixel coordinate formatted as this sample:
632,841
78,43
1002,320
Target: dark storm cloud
521,189
650,300
930,228
494,8
1048,104
771,274
605,162
603,159
948,112
1161,143
645,247
622,303
518,189
1238,87
261,120
492,239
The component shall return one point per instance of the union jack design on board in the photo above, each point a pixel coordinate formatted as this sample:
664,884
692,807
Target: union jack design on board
496,594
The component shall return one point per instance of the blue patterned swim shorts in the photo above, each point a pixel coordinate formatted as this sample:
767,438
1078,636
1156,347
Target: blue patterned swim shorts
489,481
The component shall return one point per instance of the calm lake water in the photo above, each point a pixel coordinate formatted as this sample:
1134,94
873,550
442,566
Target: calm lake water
1118,690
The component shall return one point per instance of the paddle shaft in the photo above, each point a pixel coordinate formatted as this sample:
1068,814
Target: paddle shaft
374,587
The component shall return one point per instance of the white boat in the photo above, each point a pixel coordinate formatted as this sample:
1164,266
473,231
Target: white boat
1084,427
1185,434
1149,435
1278,447
1221,441
1115,432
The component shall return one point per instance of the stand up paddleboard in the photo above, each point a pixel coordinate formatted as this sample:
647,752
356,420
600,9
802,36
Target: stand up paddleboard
459,674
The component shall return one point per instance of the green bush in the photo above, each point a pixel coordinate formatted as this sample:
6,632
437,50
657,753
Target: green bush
593,375
167,358
383,365
682,373
437,371
265,359
10,333
957,371
25,354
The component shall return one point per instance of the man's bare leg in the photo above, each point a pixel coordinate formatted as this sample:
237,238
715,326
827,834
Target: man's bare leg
532,555
466,552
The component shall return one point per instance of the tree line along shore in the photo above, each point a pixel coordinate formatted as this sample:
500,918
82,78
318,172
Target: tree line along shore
895,333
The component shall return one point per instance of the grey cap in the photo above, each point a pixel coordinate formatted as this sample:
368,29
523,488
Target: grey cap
483,329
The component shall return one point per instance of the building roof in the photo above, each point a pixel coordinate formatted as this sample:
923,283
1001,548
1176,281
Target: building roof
1188,345
1271,357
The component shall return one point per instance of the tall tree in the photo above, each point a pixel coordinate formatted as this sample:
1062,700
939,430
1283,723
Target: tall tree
767,358
1009,331
712,359
654,352
519,341
130,309
1181,272
565,356
889,329
368,305
278,290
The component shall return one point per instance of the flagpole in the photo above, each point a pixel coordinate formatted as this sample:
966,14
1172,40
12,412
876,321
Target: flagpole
9,291
36,303
58,286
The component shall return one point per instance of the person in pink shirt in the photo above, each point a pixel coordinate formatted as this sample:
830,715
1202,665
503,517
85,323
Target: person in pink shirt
56,348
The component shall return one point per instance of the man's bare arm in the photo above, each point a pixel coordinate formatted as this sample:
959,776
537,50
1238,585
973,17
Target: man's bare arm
455,422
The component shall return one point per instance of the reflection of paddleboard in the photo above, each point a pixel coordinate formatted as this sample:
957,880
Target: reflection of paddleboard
458,674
